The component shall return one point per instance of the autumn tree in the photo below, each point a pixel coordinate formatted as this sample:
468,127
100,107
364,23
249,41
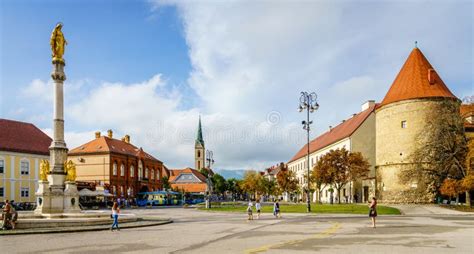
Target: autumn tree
286,181
441,150
252,183
451,188
344,166
320,176
268,187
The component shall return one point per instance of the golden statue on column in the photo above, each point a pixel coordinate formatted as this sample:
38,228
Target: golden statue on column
58,43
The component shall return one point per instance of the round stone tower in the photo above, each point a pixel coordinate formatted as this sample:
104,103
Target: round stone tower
400,119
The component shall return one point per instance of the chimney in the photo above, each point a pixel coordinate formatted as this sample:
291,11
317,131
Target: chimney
127,139
97,134
367,105
110,133
330,128
431,76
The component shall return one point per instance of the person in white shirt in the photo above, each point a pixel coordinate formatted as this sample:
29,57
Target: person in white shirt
249,211
258,206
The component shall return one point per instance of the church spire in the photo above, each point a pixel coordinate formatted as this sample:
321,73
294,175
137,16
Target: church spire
199,139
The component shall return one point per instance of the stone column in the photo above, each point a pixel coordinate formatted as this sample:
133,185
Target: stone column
58,149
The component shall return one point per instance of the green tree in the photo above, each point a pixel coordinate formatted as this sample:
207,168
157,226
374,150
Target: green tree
166,183
220,184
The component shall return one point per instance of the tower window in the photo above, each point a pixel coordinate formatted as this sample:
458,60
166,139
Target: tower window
199,154
404,124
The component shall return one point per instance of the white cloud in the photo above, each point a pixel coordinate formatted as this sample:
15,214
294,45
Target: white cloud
250,60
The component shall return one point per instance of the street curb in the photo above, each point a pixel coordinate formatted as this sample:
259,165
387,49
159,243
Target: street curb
83,229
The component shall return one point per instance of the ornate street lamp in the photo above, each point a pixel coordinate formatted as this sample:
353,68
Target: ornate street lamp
210,162
308,102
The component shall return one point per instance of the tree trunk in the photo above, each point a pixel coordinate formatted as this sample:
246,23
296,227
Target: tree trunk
468,199
338,196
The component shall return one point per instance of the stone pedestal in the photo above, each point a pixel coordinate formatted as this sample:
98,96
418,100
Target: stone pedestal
56,187
43,198
71,198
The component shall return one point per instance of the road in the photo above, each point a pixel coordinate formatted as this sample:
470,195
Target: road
210,232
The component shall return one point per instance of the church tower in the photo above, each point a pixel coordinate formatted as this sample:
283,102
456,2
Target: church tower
199,149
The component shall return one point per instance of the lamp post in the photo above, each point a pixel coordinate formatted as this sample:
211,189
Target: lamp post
308,102
210,161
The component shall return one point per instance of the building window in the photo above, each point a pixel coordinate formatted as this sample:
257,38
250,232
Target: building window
132,171
404,124
152,174
158,174
2,166
25,167
122,170
1,192
199,154
121,190
114,189
25,192
146,173
140,170
114,170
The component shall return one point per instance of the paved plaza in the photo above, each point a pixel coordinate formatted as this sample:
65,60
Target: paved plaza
195,231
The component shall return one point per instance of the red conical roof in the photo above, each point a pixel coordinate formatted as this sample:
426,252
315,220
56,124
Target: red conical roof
416,79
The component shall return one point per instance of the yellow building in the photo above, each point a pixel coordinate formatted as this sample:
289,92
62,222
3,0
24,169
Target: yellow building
22,147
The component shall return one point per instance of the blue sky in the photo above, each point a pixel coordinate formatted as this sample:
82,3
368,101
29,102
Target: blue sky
149,68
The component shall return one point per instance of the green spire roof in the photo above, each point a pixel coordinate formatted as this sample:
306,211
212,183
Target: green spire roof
199,139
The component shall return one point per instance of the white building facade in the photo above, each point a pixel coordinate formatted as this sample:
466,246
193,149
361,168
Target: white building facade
356,134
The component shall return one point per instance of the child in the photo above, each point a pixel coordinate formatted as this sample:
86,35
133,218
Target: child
249,211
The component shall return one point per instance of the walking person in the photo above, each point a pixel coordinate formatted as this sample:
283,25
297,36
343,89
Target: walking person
249,211
276,209
373,210
6,215
258,206
115,214
13,216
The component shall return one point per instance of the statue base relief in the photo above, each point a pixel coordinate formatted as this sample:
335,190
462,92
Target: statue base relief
43,198
71,198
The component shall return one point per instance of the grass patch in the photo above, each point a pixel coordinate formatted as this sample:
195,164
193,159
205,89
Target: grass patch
315,208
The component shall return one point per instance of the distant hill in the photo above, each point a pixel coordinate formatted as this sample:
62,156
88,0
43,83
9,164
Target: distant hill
231,173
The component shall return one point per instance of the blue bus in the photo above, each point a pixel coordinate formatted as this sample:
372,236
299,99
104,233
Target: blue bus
156,198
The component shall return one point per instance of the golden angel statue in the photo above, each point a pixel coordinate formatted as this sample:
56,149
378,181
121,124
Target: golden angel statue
58,43
70,170
44,170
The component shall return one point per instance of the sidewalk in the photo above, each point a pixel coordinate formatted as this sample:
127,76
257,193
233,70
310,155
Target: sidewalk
414,209
145,222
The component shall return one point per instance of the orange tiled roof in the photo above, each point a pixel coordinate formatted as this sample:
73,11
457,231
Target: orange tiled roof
104,144
23,137
337,133
191,187
412,81
467,110
174,173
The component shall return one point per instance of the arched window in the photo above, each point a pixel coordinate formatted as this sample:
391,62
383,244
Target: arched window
158,174
114,169
132,171
146,172
199,154
122,170
140,170
152,174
